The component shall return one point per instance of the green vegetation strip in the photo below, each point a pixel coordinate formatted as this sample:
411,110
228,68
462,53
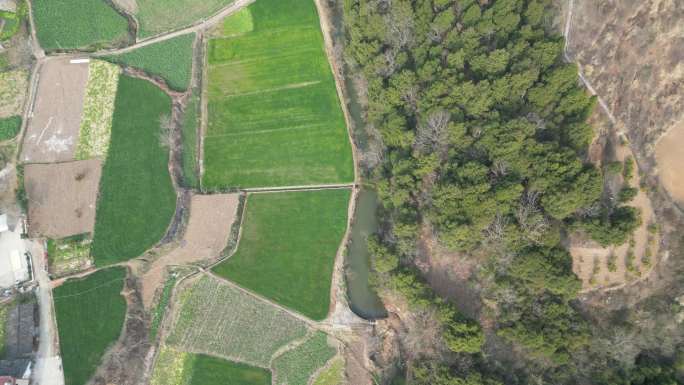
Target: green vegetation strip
98,110
90,316
12,20
137,200
189,139
9,127
219,319
288,247
296,366
158,16
163,303
274,118
70,24
170,59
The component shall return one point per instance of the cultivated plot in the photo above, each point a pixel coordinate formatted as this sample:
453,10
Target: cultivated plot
158,16
68,255
13,86
68,25
52,132
98,110
219,319
137,200
175,367
274,118
288,246
170,60
62,197
90,315
296,366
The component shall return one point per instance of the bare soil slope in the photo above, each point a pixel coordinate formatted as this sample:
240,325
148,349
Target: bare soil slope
632,52
211,218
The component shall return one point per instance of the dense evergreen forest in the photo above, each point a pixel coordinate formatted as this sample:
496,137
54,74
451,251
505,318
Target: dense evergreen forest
479,130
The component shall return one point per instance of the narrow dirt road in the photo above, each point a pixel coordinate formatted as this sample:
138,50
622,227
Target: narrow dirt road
201,25
568,28
48,369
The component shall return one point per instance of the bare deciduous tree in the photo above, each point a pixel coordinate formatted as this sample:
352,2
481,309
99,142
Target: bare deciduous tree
529,217
432,134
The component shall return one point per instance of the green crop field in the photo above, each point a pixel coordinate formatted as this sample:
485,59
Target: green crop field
296,366
274,115
137,200
9,127
170,59
69,24
215,371
288,246
90,315
219,319
157,16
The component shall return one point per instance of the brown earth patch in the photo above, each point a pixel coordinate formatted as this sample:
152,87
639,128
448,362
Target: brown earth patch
211,219
53,129
670,157
62,197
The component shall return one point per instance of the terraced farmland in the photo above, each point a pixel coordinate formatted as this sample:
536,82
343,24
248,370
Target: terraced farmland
68,25
137,200
288,247
274,118
219,319
90,315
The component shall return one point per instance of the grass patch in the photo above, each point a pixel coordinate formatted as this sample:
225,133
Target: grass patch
90,316
157,16
69,254
288,246
215,371
189,140
160,309
4,314
13,20
274,115
9,127
333,374
137,200
239,23
170,60
98,110
219,319
71,24
13,86
296,366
